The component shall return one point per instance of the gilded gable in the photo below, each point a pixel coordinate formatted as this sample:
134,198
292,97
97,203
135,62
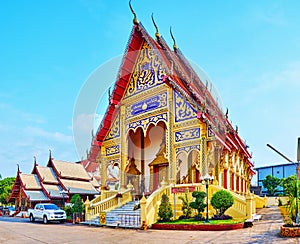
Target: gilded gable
148,72
114,131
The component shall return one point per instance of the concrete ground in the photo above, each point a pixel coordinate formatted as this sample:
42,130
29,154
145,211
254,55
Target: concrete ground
14,230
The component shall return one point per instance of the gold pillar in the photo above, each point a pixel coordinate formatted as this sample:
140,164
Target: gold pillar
203,148
123,152
103,166
170,140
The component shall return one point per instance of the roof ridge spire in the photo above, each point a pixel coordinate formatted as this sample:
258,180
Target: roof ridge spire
135,20
50,154
174,44
156,28
34,158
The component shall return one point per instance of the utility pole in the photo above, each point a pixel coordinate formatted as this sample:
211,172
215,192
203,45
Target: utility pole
297,172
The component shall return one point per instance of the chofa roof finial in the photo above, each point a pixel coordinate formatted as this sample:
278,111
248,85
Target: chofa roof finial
34,158
50,154
156,28
226,114
174,45
18,168
135,21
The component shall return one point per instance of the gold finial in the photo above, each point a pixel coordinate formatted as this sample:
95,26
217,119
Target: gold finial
135,21
156,28
174,45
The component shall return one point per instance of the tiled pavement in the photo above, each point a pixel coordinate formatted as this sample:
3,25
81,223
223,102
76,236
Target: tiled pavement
264,231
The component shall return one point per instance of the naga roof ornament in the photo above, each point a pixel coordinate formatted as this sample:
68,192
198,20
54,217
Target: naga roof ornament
156,28
174,45
135,20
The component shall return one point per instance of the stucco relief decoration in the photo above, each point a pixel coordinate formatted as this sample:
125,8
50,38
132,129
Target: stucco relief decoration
183,110
147,105
112,173
144,123
210,133
114,131
115,149
187,134
187,149
148,72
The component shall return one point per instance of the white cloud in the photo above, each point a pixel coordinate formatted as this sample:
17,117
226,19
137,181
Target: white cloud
56,136
83,125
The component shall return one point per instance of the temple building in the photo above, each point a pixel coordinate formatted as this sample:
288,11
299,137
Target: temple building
57,183
163,129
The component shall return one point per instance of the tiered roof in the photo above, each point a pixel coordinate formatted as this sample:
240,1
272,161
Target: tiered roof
48,182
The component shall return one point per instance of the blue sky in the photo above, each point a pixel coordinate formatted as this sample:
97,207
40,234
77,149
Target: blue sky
48,49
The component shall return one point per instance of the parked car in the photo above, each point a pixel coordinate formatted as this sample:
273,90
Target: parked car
9,210
47,212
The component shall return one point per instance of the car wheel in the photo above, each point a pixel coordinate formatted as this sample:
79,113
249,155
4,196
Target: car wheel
31,218
45,220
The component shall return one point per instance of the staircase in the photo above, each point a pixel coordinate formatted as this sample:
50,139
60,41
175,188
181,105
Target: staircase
124,216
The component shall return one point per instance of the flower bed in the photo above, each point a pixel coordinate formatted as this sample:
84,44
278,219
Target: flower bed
207,227
290,231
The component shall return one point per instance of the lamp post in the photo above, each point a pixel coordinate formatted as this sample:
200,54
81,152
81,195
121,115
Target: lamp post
206,179
297,173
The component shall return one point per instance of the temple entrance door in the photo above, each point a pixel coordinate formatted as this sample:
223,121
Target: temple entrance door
193,173
146,157
159,173
159,164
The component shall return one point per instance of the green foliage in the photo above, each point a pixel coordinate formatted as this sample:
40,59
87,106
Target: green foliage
292,202
288,185
77,204
186,208
6,185
198,204
68,210
271,183
221,201
165,211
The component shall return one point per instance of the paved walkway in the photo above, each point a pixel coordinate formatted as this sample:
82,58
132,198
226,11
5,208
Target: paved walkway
264,231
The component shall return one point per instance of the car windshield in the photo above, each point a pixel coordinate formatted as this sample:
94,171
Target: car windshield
51,207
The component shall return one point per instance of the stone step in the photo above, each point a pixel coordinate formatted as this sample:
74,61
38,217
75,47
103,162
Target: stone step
124,216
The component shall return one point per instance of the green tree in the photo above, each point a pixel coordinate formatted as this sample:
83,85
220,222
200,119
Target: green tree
221,201
6,185
271,183
186,208
288,185
165,211
77,204
198,204
293,199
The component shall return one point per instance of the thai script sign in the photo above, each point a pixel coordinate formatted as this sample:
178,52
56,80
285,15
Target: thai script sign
183,189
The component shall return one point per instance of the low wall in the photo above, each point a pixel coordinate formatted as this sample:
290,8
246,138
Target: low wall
273,201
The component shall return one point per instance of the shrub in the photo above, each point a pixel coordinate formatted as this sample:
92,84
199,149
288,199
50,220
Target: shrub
186,208
221,217
198,204
221,201
68,210
77,204
165,211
